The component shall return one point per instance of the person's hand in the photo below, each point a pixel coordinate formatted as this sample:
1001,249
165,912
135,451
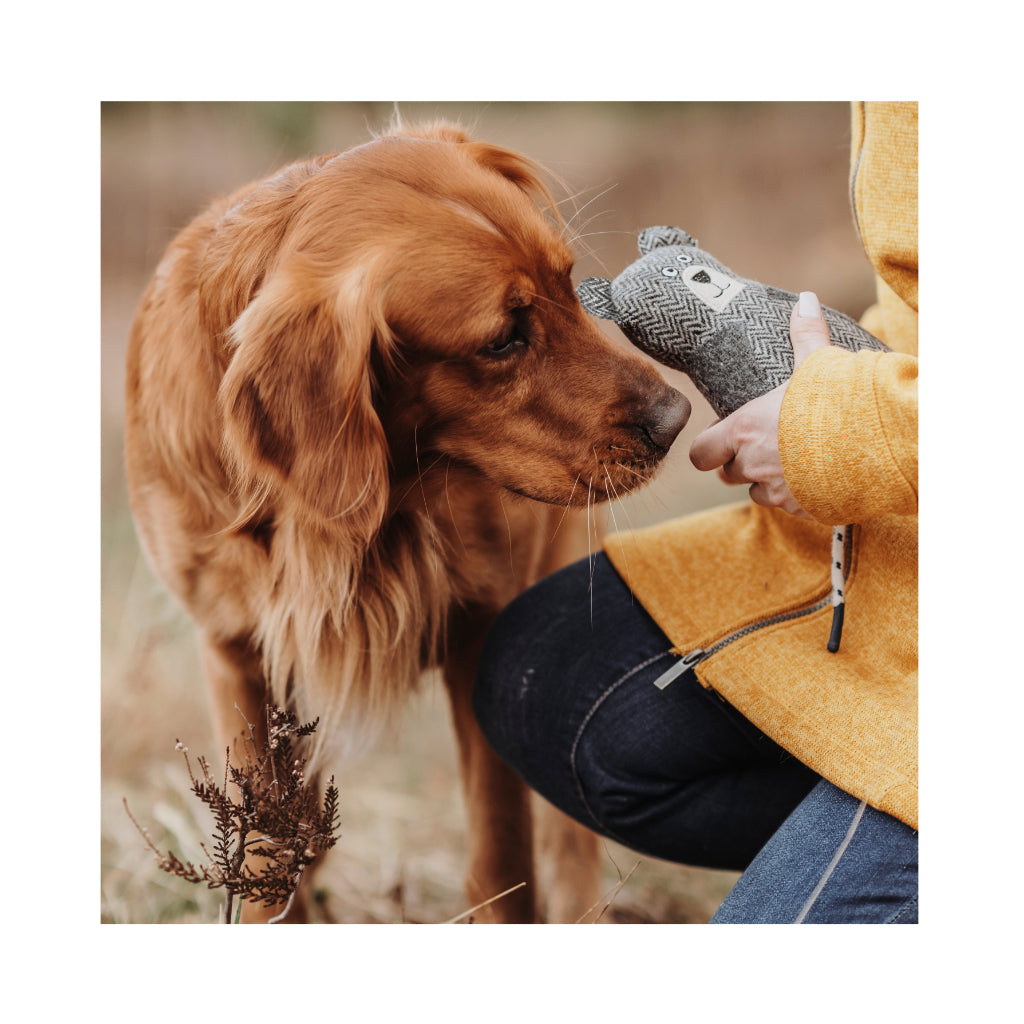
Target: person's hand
744,447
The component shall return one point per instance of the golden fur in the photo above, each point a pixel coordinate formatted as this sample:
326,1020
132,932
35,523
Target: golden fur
345,385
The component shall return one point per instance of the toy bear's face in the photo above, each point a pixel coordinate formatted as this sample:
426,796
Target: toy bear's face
671,273
664,270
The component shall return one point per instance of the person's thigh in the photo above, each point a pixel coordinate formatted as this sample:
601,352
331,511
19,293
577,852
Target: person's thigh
565,694
833,861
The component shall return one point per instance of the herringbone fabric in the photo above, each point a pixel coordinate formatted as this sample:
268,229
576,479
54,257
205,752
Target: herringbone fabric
683,307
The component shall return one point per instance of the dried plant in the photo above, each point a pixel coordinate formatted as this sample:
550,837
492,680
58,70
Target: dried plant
277,817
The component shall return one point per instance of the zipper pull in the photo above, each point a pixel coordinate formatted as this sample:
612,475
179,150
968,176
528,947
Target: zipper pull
684,664
838,582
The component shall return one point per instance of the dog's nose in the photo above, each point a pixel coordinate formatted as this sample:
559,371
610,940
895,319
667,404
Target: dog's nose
659,421
668,417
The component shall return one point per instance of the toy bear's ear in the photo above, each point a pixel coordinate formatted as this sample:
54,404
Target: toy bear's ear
656,237
595,294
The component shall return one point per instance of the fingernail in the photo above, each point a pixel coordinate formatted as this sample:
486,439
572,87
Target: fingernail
809,306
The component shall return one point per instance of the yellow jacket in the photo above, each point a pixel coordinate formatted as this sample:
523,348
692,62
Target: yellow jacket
744,589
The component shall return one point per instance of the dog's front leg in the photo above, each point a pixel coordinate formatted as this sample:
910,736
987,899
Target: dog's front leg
499,834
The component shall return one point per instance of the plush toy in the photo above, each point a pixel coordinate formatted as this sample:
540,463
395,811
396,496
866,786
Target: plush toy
728,334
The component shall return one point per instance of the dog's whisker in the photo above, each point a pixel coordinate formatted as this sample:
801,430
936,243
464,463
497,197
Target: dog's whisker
611,490
565,511
625,511
577,241
656,496
568,223
594,234
508,526
571,198
578,235
616,497
577,210
630,469
544,298
585,249
426,508
644,478
649,493
590,499
451,511
418,482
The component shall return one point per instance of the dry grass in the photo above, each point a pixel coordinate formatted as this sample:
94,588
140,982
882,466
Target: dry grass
762,185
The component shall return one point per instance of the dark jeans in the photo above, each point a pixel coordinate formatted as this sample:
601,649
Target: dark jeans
565,696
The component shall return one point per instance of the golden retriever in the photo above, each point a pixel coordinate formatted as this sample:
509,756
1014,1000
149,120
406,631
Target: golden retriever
362,397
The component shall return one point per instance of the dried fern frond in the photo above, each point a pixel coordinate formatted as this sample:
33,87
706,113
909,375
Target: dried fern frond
278,817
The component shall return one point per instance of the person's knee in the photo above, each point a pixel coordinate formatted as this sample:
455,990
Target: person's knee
526,640
617,759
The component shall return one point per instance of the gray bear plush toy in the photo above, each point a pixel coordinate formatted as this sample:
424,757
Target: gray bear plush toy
729,335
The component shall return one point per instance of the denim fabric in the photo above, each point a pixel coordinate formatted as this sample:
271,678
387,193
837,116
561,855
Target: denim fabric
873,881
565,695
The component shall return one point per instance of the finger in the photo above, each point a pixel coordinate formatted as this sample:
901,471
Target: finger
712,448
761,494
732,474
807,328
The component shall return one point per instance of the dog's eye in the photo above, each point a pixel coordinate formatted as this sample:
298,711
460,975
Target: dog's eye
505,346
683,257
670,271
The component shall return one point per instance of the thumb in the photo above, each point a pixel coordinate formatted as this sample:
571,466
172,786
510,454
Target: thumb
807,328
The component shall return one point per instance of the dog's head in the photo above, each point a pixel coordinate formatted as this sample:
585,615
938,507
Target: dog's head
414,300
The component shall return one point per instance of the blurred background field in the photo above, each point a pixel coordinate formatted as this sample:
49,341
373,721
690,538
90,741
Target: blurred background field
762,185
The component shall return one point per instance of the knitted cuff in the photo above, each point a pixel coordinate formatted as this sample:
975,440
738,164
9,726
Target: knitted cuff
847,435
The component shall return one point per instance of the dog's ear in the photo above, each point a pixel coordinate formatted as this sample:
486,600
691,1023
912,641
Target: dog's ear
519,170
297,396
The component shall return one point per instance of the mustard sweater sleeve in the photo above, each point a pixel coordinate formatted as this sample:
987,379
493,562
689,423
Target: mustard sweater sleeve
848,435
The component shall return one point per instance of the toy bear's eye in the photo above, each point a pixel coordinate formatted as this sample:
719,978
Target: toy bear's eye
670,271
684,257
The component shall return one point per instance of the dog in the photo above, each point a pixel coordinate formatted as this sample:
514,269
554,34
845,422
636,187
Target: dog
365,409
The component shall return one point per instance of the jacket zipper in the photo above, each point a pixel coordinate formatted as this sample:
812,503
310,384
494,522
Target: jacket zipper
696,656
699,654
